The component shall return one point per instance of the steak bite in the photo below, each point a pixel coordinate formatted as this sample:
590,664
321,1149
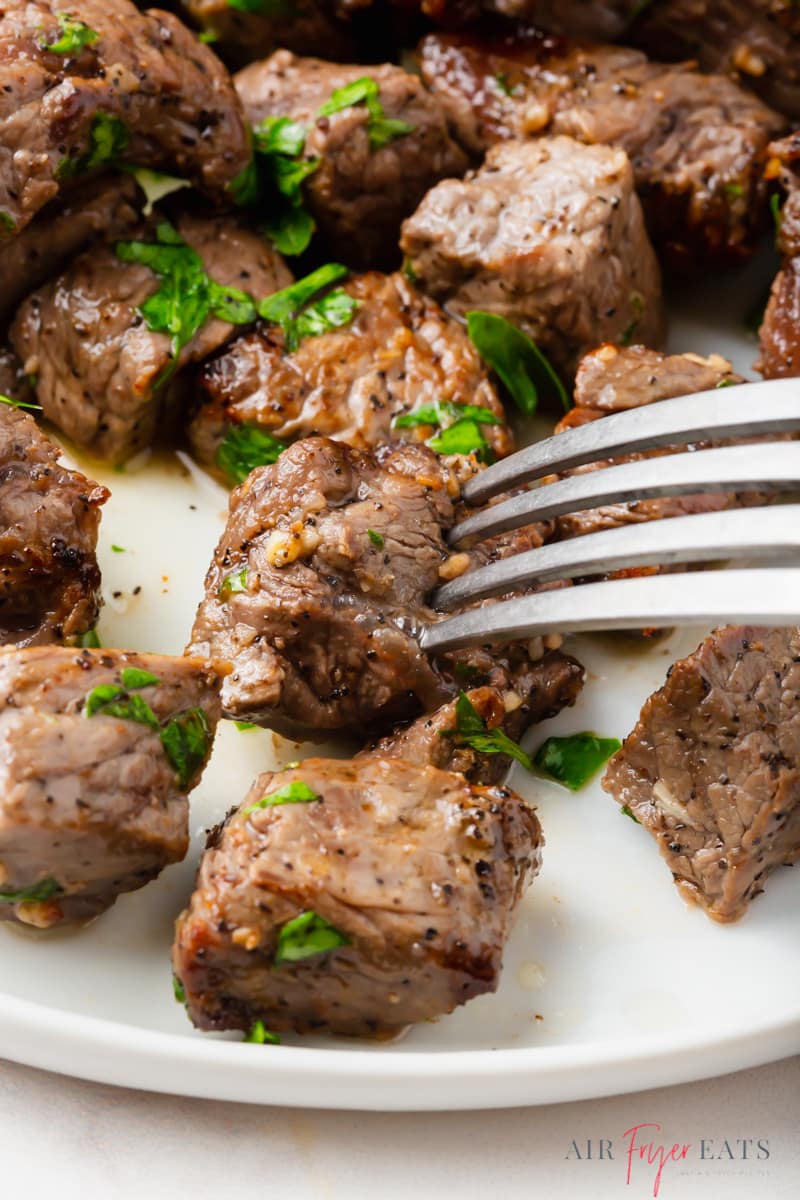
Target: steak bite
612,379
780,332
96,209
247,31
399,353
697,143
81,91
385,899
549,234
98,751
321,581
379,147
101,362
49,517
712,768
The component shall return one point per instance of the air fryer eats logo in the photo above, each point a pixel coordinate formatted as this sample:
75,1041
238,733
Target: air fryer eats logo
650,1160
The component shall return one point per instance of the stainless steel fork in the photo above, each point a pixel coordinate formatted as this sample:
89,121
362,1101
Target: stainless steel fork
767,593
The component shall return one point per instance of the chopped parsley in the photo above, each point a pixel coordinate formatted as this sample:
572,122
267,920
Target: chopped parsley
306,935
376,538
244,726
459,427
110,700
7,223
637,307
186,740
187,295
109,137
117,549
300,315
74,36
208,37
626,811
35,893
296,792
18,403
573,760
776,208
518,361
280,171
178,990
471,731
380,129
233,583
264,8
89,640
244,448
134,679
259,1035
501,79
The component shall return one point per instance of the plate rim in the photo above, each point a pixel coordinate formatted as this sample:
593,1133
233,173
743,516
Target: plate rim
124,1055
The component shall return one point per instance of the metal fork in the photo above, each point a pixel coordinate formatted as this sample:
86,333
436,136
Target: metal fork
768,593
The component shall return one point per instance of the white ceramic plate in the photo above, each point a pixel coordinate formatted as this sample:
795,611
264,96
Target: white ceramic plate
610,982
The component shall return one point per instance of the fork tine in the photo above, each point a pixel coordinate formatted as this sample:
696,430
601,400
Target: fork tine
741,533
769,596
770,466
744,411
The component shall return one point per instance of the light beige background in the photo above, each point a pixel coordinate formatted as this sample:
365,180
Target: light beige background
64,1139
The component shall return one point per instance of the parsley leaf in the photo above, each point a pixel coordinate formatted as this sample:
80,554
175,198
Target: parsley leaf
74,36
246,447
233,583
18,403
244,726
459,425
471,731
380,129
298,317
109,137
45,889
517,360
264,8
259,1035
306,935
296,792
178,990
376,538
280,173
7,223
186,740
134,679
110,700
573,760
627,812
89,640
187,296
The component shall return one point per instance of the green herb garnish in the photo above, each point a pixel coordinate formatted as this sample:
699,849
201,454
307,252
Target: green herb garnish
134,679
208,37
459,425
281,171
74,36
45,889
244,726
109,137
637,305
300,315
380,129
186,740
259,1035
178,990
471,731
376,538
264,8
296,792
306,935
501,79
7,223
17,403
187,295
573,760
117,549
233,583
246,447
89,640
629,813
518,361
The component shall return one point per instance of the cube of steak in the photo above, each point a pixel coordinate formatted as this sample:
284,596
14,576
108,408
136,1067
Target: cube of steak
400,352
780,331
363,187
536,693
144,89
548,234
98,750
712,768
245,32
756,40
697,143
418,874
317,583
94,209
49,517
612,379
99,368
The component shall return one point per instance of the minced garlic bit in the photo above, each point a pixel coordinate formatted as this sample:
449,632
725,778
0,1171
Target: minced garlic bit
246,937
284,546
553,641
511,701
745,59
39,913
454,566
